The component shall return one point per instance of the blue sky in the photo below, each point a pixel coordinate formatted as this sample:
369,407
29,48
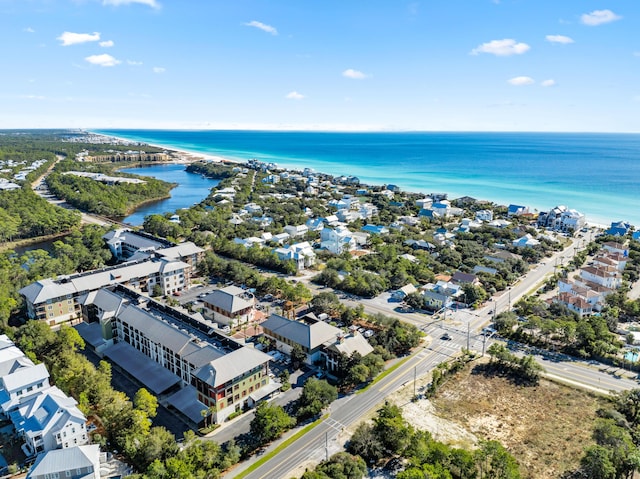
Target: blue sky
442,65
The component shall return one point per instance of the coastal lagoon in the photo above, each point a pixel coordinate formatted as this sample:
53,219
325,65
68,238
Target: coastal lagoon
597,174
192,188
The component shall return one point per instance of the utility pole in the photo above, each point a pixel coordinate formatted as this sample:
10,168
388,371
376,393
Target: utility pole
326,444
484,342
468,336
415,374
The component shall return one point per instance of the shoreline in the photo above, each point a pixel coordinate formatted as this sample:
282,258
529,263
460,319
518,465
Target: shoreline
188,156
198,156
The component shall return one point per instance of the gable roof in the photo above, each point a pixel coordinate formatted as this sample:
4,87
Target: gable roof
230,299
306,335
231,366
69,459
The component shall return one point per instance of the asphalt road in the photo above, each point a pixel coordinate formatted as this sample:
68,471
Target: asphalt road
462,330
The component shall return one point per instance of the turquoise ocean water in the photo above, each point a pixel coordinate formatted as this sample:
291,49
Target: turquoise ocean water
597,174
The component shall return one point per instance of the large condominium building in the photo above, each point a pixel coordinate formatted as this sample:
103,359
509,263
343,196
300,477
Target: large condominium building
224,372
128,244
55,300
128,156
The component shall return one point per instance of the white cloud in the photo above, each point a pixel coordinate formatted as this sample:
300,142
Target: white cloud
598,17
159,70
548,83
70,38
33,97
294,95
106,44
636,54
29,30
262,26
117,3
104,60
520,81
354,74
502,48
134,63
559,39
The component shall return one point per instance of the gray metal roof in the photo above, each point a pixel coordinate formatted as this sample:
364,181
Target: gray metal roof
131,238
306,335
47,289
69,459
231,365
351,344
228,299
180,251
25,376
186,401
156,378
157,330
11,359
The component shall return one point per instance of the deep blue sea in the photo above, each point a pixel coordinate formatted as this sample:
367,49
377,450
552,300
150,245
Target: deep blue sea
597,174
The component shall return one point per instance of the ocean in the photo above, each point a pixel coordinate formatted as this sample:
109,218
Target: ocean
596,174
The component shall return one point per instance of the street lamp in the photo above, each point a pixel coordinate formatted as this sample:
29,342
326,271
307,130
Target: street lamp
509,299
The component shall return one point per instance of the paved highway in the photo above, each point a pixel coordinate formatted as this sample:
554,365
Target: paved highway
462,330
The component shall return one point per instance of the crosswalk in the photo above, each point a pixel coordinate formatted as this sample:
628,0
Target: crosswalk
332,423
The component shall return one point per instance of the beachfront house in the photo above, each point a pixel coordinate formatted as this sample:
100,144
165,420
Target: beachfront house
562,219
517,210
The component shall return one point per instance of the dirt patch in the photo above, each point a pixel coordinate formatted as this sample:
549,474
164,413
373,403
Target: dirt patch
546,427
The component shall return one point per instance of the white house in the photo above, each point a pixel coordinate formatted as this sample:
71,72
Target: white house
608,277
484,215
82,462
301,253
337,240
526,241
562,219
252,208
294,231
49,420
424,203
315,224
19,377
